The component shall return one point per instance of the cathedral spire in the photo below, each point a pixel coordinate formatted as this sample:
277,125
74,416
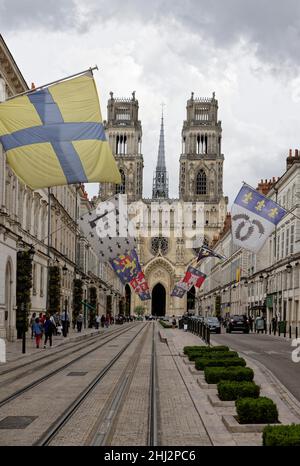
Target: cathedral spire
160,180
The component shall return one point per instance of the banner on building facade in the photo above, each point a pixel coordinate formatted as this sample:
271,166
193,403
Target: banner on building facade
55,136
178,292
126,266
254,217
139,283
206,251
193,277
106,228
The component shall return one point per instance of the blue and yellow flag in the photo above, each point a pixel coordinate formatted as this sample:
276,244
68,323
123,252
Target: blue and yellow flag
253,218
55,136
126,266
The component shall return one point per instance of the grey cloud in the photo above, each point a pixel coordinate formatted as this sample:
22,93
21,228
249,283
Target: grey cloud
270,25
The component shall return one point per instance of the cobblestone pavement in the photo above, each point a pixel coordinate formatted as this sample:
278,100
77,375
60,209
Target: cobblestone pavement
14,349
116,411
179,422
87,421
49,399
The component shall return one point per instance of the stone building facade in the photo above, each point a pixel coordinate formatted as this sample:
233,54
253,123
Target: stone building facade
162,249
24,223
266,283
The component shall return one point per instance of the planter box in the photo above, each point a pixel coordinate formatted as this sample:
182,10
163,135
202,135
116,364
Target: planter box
201,382
215,401
193,370
188,363
233,426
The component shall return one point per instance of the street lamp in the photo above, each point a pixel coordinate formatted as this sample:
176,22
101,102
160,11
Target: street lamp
289,268
65,269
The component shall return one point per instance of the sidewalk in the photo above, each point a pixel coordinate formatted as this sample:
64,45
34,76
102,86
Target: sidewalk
288,406
14,349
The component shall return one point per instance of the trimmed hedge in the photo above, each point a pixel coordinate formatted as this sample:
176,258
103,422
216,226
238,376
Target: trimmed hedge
213,355
189,349
201,363
165,324
229,390
260,410
281,436
216,374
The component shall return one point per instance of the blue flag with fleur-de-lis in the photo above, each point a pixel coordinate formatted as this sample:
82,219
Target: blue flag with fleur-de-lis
254,217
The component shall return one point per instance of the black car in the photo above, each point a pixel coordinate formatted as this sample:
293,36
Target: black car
238,323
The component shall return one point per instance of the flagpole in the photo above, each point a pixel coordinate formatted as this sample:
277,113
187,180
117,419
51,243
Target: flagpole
91,69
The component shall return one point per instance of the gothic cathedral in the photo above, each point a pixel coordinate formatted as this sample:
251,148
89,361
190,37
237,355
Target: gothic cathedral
163,252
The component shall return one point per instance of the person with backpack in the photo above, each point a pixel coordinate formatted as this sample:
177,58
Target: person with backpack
38,331
48,327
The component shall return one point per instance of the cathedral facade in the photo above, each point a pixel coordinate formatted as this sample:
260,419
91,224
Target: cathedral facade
166,248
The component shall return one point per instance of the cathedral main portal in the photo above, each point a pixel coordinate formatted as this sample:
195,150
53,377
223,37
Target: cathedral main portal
158,303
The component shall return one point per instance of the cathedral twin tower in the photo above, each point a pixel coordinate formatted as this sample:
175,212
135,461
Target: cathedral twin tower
201,160
165,256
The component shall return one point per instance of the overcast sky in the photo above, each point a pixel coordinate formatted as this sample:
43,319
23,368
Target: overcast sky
247,51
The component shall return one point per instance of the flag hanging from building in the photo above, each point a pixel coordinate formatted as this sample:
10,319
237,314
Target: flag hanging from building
254,217
178,292
193,277
145,295
55,136
106,228
205,252
139,283
126,266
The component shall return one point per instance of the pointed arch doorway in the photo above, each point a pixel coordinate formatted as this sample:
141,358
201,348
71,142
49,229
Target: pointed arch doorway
158,302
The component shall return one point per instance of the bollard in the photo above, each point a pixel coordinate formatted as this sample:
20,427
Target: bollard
296,333
208,336
290,331
279,331
270,330
284,333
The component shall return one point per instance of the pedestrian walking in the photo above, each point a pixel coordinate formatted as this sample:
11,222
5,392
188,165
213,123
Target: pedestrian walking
173,322
98,319
79,322
251,323
65,320
274,324
32,322
102,320
48,328
38,331
52,319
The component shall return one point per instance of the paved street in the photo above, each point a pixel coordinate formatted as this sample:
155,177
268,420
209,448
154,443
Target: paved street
274,352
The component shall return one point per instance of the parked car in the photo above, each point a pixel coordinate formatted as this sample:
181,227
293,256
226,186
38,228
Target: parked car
213,324
238,323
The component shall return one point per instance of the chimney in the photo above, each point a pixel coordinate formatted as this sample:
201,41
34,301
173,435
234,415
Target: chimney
289,160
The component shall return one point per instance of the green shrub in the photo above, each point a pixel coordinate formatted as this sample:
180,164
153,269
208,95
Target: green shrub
283,436
201,363
229,390
260,410
216,374
188,349
165,324
213,355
